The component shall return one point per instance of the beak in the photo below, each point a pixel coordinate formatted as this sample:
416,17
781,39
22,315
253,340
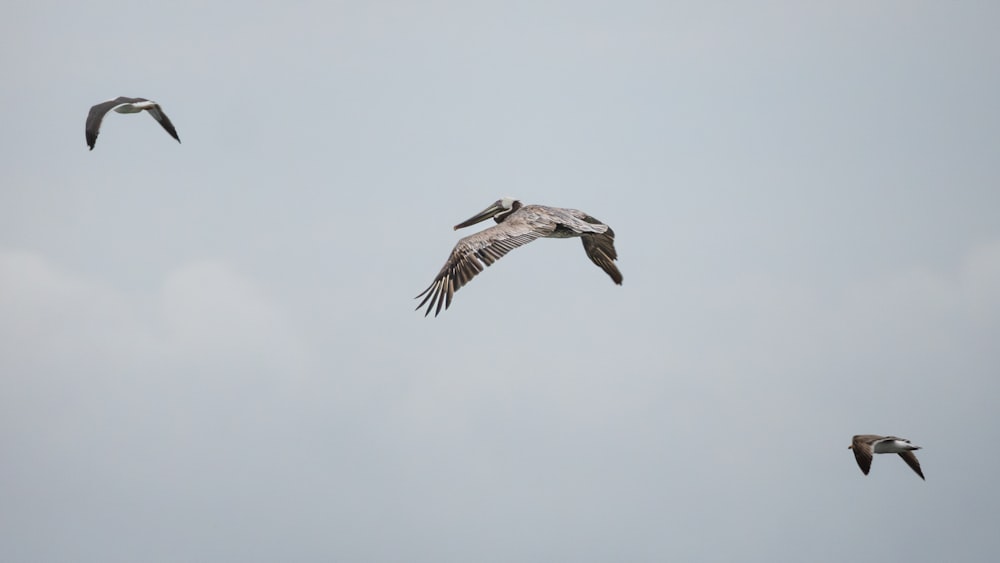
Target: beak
483,215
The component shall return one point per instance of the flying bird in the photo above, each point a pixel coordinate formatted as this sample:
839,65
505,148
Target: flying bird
122,104
864,445
516,226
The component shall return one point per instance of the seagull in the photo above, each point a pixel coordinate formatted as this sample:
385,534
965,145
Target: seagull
865,444
122,104
516,226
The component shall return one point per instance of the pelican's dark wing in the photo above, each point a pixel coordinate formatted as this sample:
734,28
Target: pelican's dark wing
600,248
469,257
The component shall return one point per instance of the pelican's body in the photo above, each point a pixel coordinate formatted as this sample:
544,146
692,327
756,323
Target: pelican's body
517,225
866,445
125,105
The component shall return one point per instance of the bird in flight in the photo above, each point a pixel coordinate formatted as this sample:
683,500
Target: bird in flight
866,445
516,226
125,105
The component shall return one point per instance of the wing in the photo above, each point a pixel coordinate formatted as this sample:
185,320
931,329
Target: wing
94,119
157,112
863,453
911,460
600,247
469,257
601,251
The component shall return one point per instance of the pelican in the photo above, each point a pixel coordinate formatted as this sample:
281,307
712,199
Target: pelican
516,226
865,445
122,104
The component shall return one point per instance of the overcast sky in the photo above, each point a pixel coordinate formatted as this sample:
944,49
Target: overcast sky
208,350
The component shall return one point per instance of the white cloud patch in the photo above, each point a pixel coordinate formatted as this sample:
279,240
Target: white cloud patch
203,311
980,278
208,309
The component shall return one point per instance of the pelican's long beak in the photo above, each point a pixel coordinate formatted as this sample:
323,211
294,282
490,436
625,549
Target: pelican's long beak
483,215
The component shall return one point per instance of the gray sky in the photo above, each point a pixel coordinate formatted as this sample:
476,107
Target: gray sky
208,351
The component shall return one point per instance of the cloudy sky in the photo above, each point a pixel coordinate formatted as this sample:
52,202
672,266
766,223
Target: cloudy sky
208,350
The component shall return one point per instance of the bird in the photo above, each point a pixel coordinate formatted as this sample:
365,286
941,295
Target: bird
122,104
864,445
516,226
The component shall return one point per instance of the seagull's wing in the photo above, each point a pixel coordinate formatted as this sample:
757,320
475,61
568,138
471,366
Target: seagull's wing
911,460
94,119
862,446
157,112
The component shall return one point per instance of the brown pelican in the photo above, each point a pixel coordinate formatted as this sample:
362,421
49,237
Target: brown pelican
865,445
122,104
517,225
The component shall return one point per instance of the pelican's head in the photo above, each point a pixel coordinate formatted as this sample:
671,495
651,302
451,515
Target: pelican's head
499,210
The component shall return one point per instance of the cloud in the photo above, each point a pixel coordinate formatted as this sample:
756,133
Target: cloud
203,312
208,309
980,279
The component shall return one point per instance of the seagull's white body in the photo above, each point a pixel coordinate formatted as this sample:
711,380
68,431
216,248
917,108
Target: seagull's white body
135,108
893,446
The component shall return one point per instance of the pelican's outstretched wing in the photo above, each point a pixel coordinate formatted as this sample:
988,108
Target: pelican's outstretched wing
471,255
600,248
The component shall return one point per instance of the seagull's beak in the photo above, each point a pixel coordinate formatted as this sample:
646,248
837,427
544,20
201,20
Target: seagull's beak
483,215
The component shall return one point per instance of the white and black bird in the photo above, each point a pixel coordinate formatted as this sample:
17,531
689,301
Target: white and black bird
516,226
122,104
866,445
